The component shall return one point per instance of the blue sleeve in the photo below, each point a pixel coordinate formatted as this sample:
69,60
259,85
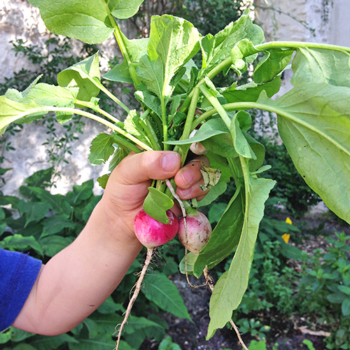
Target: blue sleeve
18,273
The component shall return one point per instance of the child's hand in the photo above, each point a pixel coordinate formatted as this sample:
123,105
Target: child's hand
128,184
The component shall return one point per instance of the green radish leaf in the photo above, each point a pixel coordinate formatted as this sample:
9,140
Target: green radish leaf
314,124
119,154
119,73
156,204
321,66
240,142
224,237
241,55
57,202
160,290
173,41
101,149
102,180
46,95
20,243
90,24
225,40
273,63
80,193
52,245
151,101
85,75
259,151
209,129
34,211
250,92
229,289
124,9
136,49
55,224
191,259
11,111
132,125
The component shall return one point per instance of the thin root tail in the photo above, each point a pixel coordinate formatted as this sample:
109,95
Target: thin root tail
135,295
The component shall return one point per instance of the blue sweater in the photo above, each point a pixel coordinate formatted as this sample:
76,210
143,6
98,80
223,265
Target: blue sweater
18,273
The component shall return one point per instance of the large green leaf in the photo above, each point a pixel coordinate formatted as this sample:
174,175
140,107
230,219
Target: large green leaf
173,41
136,49
123,9
224,237
314,124
273,63
250,92
90,24
160,290
321,66
101,149
11,111
218,49
85,75
229,290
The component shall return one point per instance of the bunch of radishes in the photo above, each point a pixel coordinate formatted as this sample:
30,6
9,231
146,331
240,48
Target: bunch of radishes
193,230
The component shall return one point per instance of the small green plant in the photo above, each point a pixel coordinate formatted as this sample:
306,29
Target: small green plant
253,327
325,289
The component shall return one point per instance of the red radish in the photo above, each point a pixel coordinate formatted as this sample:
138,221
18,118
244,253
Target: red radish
198,232
152,233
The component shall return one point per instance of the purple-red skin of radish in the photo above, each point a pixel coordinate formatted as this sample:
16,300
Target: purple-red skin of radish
152,233
198,232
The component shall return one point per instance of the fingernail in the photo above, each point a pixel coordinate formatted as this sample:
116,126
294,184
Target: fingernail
184,193
170,162
188,177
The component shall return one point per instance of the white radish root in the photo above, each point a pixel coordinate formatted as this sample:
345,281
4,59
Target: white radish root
136,293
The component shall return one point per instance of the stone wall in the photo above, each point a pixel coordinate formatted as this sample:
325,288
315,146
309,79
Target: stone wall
19,19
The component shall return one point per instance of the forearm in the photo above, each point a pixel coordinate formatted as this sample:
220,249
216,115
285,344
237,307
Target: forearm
79,278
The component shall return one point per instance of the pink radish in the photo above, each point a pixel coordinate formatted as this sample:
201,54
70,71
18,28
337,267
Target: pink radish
151,233
198,232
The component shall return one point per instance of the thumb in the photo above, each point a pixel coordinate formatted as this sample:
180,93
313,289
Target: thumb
141,167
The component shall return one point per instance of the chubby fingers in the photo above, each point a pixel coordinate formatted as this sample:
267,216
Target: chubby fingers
189,178
141,167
